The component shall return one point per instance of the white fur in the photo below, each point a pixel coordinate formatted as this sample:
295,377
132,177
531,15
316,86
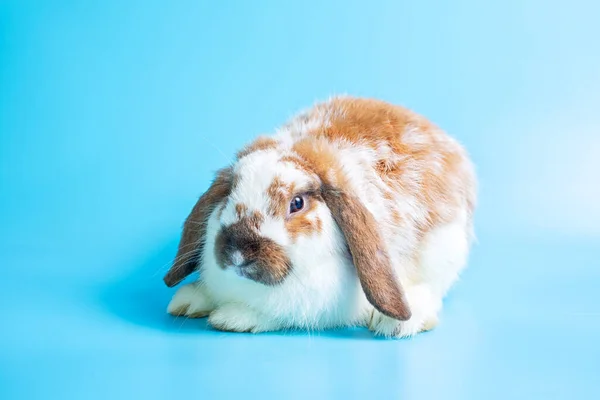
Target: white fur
323,289
191,299
321,278
442,257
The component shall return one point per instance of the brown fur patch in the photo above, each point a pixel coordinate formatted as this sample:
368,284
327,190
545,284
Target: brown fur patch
299,163
256,219
261,143
366,121
264,260
321,157
304,226
301,224
191,244
240,210
396,217
279,194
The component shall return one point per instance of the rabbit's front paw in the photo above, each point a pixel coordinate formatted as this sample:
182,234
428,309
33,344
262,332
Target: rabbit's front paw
190,301
233,317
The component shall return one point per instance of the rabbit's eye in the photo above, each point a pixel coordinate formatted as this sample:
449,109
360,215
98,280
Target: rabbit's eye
296,204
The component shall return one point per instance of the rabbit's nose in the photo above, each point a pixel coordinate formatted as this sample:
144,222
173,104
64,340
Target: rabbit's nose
237,258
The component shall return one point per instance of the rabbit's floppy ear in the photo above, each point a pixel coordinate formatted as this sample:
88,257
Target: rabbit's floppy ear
191,243
370,258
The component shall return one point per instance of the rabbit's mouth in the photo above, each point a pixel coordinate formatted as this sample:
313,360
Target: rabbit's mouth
245,270
253,271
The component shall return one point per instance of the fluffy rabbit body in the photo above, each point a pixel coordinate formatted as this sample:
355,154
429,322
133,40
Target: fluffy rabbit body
355,213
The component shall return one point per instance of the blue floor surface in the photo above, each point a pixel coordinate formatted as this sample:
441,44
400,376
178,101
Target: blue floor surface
523,323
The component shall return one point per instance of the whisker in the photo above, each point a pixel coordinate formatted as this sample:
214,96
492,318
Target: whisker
187,256
229,159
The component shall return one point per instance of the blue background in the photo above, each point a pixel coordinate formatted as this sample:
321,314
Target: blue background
114,115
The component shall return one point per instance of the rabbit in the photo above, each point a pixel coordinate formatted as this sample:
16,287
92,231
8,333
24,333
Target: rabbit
357,212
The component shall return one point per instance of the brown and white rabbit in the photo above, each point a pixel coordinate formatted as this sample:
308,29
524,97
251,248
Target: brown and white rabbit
355,213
